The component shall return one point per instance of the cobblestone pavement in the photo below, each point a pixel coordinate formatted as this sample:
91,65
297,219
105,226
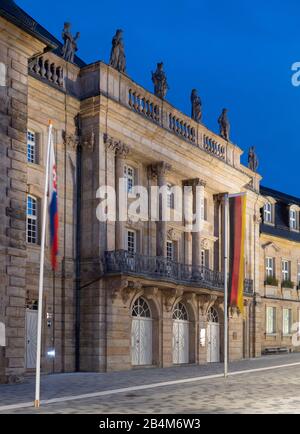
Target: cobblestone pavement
272,391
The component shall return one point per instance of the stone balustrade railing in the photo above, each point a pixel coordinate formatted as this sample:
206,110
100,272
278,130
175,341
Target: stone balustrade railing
101,78
47,70
213,146
182,128
143,105
161,112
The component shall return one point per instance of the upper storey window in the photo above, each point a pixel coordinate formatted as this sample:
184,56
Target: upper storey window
32,152
129,176
32,220
268,212
170,197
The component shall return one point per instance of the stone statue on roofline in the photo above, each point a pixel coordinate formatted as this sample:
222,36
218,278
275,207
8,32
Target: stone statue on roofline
70,43
224,125
196,106
159,80
117,55
252,159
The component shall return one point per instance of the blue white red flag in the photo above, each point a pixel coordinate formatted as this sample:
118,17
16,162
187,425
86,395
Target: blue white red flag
53,207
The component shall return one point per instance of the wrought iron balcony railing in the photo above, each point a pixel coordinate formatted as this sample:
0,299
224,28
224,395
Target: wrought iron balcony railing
121,261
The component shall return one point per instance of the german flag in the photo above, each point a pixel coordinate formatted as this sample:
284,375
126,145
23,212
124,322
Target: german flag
237,218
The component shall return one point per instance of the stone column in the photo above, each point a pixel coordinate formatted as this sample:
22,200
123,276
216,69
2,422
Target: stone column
198,194
160,170
121,154
198,186
119,151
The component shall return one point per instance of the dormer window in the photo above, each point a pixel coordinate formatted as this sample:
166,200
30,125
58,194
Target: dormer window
268,213
294,218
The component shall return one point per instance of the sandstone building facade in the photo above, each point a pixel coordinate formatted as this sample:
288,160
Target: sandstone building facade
125,293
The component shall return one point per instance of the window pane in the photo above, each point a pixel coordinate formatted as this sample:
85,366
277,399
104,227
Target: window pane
271,320
131,242
129,175
287,321
31,220
270,267
31,147
170,251
170,197
203,258
268,213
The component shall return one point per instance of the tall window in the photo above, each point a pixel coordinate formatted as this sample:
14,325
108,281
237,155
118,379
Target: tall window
271,320
170,250
203,208
293,219
270,267
268,213
32,220
170,197
131,242
286,321
129,176
286,267
31,147
203,258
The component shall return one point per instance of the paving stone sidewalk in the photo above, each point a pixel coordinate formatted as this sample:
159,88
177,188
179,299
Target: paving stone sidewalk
62,385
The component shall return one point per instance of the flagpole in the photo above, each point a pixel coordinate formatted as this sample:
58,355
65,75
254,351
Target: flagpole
41,280
226,209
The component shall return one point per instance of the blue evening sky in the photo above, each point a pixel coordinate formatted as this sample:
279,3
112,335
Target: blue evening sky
237,53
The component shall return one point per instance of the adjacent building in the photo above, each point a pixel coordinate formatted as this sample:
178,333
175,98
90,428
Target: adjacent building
137,292
280,270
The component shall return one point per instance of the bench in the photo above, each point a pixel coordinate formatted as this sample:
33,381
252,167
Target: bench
274,350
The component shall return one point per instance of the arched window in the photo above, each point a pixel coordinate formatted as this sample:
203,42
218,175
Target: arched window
180,312
141,309
212,315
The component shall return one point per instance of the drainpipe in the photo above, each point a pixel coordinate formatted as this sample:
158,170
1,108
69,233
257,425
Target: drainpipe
78,255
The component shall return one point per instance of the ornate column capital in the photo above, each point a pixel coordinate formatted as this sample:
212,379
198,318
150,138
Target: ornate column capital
88,141
158,169
71,140
117,146
195,182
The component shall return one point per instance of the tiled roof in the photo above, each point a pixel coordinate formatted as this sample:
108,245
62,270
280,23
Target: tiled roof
13,13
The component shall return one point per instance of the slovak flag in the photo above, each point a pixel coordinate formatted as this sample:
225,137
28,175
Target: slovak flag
53,209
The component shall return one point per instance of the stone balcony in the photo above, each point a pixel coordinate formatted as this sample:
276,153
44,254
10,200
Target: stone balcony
160,268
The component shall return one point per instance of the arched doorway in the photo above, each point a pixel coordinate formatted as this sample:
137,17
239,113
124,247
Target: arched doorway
141,333
213,336
180,334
